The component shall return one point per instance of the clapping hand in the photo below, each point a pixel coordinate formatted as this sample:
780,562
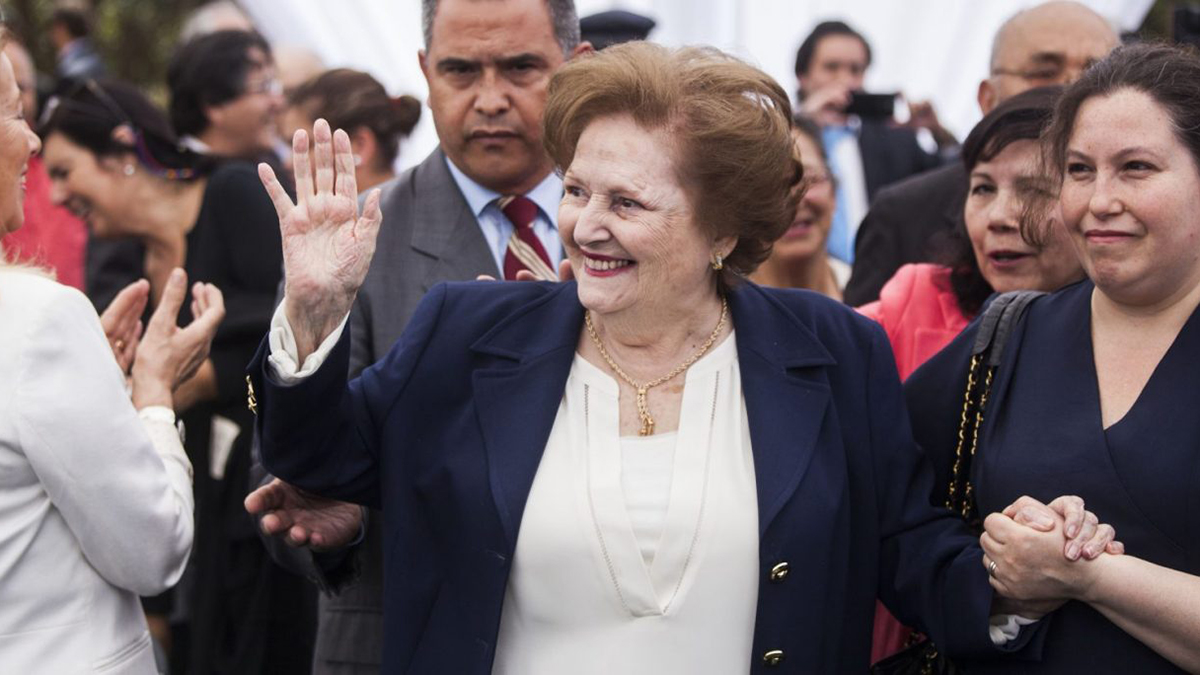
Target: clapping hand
122,322
168,355
327,246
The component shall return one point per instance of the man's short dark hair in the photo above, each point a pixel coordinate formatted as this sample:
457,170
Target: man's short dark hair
808,48
208,71
74,21
562,16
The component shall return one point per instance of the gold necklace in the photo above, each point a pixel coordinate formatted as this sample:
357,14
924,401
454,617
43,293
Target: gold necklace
642,406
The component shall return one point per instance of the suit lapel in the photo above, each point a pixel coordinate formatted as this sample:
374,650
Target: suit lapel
449,231
517,393
786,394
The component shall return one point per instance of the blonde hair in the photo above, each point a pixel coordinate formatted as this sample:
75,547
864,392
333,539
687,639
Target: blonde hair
729,122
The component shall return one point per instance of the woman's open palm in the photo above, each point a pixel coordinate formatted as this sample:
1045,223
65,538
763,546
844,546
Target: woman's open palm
327,245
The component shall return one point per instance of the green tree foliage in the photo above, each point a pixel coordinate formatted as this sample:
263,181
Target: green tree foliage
135,37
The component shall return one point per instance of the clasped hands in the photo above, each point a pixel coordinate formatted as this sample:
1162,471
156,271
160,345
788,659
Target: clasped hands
1038,556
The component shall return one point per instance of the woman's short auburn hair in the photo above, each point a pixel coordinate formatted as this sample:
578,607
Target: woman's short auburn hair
729,122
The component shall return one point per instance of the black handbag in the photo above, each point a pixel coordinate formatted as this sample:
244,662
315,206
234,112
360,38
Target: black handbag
922,657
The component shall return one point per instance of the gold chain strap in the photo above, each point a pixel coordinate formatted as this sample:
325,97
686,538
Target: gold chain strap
968,428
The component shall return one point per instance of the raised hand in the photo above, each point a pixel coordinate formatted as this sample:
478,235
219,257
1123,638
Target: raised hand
169,355
327,246
122,322
303,519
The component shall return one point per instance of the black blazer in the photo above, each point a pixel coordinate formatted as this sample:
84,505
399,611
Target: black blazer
901,228
890,154
446,433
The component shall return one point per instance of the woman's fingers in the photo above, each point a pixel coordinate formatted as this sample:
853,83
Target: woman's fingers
163,319
279,197
204,325
1072,511
323,157
125,309
1087,531
343,157
1105,534
302,166
368,225
1032,513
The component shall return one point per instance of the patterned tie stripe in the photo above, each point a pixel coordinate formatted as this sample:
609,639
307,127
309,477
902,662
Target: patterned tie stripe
525,251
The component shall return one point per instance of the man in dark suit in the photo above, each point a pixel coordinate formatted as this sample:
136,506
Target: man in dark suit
865,153
1049,44
442,221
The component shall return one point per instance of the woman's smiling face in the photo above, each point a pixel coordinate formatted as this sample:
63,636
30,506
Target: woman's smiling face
627,222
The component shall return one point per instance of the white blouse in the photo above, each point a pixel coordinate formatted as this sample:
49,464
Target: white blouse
642,566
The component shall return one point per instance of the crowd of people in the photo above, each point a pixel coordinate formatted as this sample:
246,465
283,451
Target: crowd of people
653,365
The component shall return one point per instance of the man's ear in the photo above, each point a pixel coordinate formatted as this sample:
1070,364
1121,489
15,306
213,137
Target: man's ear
423,62
987,96
584,47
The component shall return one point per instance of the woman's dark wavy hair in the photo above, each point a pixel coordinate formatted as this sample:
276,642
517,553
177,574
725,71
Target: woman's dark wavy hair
89,113
1167,73
1022,117
351,99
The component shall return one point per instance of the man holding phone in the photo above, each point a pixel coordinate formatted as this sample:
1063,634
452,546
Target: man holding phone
867,149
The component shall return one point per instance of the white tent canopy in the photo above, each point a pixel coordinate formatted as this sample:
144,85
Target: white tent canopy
928,49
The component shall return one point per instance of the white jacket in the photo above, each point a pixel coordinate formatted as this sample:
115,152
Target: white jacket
95,503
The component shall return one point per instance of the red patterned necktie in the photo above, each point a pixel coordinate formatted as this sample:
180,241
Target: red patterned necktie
525,251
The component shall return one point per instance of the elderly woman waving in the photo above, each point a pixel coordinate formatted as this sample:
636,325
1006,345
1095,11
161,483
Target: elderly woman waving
655,469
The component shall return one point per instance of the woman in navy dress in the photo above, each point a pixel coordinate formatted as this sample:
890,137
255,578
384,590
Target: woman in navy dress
1097,392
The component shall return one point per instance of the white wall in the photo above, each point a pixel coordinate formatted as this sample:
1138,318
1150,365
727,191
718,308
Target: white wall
928,49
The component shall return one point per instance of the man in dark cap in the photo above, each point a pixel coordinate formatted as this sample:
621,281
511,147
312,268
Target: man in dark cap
614,27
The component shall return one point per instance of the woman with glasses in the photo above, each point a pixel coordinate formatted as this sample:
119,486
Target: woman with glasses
115,162
799,258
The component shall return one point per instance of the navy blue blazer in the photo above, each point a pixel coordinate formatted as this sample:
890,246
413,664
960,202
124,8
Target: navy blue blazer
446,432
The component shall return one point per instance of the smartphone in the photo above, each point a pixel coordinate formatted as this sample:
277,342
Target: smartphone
872,106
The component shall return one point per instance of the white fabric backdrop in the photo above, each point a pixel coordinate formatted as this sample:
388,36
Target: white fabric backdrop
928,49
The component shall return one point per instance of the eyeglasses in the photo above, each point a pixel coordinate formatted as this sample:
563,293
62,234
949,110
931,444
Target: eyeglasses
268,85
109,110
1047,73
1053,74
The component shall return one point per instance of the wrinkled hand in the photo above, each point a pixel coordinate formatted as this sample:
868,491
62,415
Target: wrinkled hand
565,273
327,246
169,355
1086,536
122,322
304,519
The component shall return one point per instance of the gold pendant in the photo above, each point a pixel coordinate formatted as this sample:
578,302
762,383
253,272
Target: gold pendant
644,413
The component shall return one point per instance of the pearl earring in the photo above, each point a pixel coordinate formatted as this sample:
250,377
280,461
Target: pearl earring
357,160
128,170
